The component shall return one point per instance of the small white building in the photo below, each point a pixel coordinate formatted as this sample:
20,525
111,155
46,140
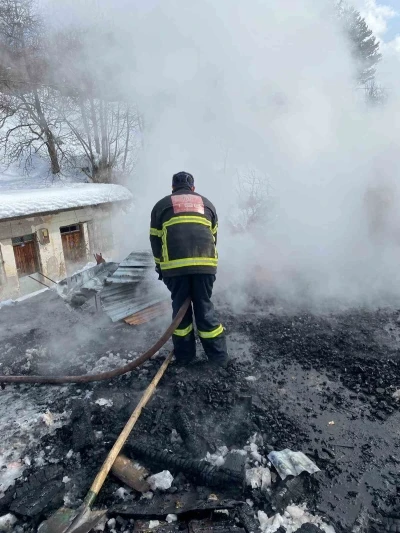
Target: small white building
51,232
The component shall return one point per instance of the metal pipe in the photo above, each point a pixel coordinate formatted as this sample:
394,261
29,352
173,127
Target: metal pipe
87,378
52,280
44,284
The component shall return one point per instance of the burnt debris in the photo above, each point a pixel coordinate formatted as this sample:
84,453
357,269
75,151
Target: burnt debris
324,385
200,471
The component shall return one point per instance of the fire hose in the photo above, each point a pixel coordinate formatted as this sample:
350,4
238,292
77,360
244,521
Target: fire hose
88,378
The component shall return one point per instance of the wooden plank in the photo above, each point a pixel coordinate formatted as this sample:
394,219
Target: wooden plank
141,317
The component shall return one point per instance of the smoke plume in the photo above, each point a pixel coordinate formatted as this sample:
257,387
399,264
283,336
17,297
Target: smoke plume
232,85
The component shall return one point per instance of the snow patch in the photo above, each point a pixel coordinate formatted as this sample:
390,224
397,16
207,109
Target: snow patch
18,203
259,478
7,303
217,458
252,449
255,454
162,481
40,459
104,402
122,493
7,521
48,418
396,395
109,362
9,473
291,520
22,427
112,523
269,525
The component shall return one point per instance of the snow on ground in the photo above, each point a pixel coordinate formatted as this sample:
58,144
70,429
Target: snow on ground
75,343
7,522
292,520
5,303
16,203
25,420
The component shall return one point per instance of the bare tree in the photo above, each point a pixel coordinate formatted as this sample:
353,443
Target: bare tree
255,200
103,137
105,128
375,93
55,101
27,125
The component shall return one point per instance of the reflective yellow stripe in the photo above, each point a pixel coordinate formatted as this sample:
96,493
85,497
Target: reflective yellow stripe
190,261
211,334
156,232
187,220
214,229
164,249
183,332
157,261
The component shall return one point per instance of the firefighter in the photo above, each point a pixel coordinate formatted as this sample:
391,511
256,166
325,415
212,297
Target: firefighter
183,236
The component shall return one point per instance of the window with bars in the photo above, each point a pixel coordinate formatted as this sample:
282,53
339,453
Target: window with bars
19,241
70,229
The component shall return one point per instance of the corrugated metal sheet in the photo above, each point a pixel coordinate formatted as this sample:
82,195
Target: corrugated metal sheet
128,290
122,300
133,268
90,278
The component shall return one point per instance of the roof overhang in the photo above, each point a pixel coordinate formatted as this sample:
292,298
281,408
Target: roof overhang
58,211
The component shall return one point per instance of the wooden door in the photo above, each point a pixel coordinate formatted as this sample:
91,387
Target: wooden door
73,246
25,258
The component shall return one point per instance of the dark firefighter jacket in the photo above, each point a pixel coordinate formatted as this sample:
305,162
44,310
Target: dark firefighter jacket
183,234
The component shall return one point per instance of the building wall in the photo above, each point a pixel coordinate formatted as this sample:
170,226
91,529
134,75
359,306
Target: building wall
9,283
51,256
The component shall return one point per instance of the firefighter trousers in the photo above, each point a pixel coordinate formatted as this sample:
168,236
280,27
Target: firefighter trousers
199,288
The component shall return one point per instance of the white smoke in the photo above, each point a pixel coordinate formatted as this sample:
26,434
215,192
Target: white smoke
267,84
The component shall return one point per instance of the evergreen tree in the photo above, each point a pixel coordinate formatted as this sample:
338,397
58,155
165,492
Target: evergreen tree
364,45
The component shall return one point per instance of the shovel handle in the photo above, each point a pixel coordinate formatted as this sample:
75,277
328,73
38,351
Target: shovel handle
119,443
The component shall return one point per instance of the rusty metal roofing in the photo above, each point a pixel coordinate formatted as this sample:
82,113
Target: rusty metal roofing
141,317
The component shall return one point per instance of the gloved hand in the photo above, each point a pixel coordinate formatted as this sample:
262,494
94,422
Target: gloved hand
158,270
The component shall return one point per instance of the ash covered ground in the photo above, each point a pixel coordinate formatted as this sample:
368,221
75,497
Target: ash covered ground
324,384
